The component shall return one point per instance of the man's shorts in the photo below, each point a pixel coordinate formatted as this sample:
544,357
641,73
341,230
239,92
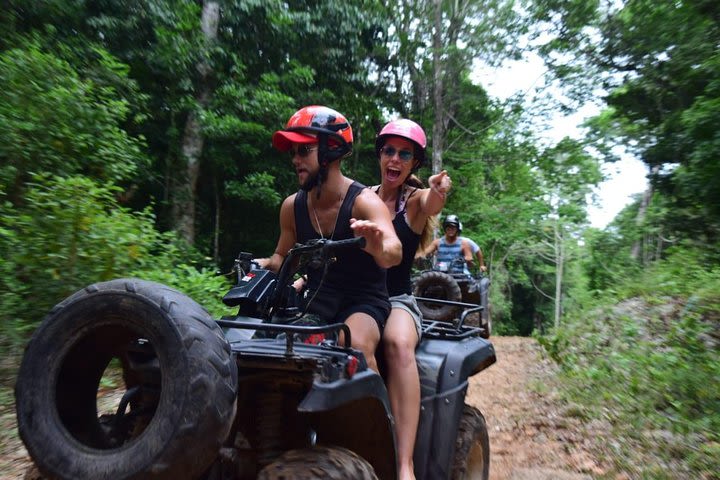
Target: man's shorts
334,306
409,304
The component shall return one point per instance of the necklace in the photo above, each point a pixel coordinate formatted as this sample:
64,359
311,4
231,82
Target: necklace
317,221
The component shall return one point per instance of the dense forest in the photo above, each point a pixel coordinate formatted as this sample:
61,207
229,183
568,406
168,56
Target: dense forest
135,141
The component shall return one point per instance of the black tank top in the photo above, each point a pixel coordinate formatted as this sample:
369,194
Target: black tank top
398,277
355,272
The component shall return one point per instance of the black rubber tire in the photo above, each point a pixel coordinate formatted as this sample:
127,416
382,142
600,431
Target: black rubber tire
472,447
487,327
326,463
473,320
439,285
189,372
486,317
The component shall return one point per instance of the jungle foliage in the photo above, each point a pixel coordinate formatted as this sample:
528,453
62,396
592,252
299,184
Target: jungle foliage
643,351
135,141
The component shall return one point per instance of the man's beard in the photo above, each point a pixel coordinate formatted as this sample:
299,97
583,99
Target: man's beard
311,182
315,180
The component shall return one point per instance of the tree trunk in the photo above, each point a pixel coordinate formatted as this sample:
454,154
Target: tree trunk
438,122
193,140
216,234
559,263
640,218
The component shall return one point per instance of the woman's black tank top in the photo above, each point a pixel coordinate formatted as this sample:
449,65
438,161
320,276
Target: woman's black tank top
398,277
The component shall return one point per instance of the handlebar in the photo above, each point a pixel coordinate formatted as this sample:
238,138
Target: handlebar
323,246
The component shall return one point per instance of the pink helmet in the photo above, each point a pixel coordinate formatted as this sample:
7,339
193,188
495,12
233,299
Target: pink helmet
408,130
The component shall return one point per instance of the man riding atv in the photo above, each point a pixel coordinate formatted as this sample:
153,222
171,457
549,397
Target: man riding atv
451,248
267,393
451,281
331,205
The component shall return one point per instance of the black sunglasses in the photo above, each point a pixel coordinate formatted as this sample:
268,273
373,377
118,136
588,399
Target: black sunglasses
303,151
405,155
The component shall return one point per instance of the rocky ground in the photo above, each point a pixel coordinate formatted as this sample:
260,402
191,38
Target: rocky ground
534,435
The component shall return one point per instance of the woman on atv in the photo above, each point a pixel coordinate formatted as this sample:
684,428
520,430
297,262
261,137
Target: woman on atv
400,148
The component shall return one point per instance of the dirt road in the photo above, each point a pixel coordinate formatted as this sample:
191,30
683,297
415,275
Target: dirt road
533,434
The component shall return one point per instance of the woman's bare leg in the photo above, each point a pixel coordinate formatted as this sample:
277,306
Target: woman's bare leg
403,381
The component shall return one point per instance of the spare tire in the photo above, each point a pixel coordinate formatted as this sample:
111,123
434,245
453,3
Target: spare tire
441,286
181,385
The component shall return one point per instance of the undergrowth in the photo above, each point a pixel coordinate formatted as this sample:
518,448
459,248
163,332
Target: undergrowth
647,360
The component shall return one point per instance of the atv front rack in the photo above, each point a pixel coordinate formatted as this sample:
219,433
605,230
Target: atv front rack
447,327
440,330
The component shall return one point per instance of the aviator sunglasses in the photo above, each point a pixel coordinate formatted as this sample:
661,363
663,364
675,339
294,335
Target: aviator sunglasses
405,155
302,151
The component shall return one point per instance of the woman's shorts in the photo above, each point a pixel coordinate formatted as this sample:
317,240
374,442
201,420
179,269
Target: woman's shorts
408,303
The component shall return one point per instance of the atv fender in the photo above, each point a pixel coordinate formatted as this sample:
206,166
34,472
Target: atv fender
445,367
329,395
349,412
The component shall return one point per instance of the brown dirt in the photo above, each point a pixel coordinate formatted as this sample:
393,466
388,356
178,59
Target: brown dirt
14,459
534,435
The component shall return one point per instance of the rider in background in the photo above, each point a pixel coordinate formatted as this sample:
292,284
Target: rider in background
400,148
451,247
332,206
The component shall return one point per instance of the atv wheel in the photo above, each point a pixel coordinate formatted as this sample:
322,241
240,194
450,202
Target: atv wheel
472,320
487,326
477,320
472,447
327,463
484,301
179,378
439,285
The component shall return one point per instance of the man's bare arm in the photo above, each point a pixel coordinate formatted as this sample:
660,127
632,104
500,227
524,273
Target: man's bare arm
432,248
287,236
481,260
467,253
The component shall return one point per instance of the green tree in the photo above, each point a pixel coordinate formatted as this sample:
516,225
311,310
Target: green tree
215,100
660,67
436,43
52,120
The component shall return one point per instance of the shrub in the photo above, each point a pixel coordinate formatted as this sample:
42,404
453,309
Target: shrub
71,232
649,362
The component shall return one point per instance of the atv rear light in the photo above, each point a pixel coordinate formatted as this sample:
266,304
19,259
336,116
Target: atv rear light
352,366
314,338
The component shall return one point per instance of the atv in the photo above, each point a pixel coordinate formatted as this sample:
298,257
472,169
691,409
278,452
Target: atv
267,393
443,294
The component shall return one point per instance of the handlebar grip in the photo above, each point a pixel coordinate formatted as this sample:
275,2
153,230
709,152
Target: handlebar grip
355,241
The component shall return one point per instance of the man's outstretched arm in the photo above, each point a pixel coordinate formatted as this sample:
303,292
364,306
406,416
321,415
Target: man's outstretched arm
371,219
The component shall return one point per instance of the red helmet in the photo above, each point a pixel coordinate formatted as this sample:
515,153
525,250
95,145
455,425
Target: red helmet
317,124
408,130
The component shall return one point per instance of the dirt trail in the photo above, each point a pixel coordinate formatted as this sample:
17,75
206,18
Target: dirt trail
533,434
